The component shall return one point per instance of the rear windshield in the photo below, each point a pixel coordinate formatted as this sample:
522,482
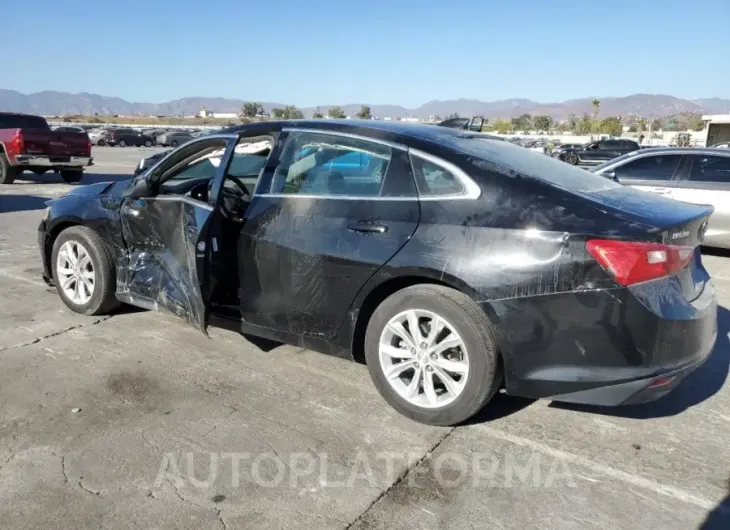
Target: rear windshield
501,156
21,121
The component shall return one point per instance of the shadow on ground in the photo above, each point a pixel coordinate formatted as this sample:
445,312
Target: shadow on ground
700,385
719,518
21,203
55,178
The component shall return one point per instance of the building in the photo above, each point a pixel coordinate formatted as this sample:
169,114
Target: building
718,128
205,113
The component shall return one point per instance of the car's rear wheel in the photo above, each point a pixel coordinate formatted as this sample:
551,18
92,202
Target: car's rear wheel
148,143
122,143
7,172
572,159
431,354
173,143
83,271
101,142
71,175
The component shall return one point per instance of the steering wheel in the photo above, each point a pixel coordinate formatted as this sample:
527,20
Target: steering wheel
231,200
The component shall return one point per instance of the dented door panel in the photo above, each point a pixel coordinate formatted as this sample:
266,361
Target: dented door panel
165,239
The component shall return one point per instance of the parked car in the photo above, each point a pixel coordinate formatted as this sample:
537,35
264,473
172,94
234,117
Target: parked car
148,162
598,152
560,149
97,136
698,175
451,263
68,128
174,138
28,143
725,145
125,137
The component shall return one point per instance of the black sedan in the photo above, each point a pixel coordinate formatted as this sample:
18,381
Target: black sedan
452,264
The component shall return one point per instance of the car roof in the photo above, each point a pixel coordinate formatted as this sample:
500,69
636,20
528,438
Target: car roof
683,151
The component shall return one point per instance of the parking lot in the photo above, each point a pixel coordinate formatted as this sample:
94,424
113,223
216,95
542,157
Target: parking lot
137,419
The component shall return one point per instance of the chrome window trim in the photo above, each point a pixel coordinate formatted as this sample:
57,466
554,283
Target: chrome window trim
471,188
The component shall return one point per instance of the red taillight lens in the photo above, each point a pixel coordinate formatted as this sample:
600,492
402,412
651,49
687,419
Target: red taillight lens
630,262
18,142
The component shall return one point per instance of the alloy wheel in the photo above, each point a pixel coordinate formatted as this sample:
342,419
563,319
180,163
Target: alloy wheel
75,272
423,358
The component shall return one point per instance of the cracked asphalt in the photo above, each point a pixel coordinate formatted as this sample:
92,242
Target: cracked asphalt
137,420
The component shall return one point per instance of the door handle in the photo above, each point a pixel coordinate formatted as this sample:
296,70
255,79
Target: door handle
364,227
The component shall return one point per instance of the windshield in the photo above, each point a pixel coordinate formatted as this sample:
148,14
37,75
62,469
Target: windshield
501,156
601,167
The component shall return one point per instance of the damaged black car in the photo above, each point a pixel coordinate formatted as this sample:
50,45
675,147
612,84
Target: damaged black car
452,264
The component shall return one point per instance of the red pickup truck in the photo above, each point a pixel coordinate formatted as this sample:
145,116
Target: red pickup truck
28,143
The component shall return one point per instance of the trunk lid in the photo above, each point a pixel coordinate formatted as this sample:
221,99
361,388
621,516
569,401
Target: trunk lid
668,221
55,144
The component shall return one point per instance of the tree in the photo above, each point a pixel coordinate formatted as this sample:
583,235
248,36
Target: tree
657,124
453,116
502,126
290,112
596,107
250,109
524,122
696,123
584,126
277,113
542,123
611,125
573,122
336,113
317,114
364,113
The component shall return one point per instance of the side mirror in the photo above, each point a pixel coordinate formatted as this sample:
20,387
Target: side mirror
140,188
610,175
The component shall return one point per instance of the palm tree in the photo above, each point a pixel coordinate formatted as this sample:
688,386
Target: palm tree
596,105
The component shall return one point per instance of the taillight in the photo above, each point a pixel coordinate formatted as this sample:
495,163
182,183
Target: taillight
88,144
630,262
18,142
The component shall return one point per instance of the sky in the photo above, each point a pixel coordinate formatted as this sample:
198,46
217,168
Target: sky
404,52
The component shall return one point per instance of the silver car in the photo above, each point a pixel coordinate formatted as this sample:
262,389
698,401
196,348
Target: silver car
699,175
173,138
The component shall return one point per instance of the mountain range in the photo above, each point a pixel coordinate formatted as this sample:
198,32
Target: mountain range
52,103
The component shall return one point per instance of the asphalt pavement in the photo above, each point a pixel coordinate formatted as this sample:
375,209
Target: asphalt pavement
138,420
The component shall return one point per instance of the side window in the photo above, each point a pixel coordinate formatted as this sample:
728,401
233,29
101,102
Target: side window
327,164
649,168
433,180
194,161
710,169
249,158
609,145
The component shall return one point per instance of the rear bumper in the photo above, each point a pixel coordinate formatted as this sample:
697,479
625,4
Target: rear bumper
52,161
605,347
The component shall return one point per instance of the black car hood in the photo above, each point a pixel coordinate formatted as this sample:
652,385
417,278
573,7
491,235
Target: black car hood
100,188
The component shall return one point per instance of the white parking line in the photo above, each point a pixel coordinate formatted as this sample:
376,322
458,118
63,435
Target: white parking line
18,277
623,476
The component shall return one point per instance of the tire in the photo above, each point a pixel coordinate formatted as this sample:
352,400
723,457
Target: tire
102,299
173,143
101,142
122,143
7,172
148,143
71,175
572,159
463,316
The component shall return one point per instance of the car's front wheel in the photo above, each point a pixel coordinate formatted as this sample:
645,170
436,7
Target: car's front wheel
572,159
431,354
83,271
148,143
